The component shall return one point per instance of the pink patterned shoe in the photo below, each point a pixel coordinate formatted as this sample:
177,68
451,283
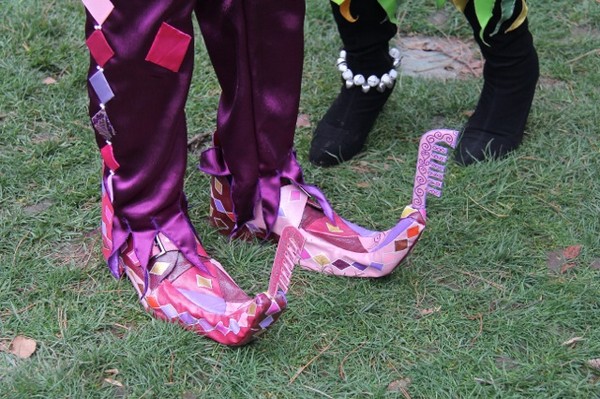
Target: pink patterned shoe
200,296
333,244
210,303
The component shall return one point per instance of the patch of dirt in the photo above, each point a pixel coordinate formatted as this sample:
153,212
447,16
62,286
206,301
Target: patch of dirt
551,83
79,253
585,31
38,208
439,58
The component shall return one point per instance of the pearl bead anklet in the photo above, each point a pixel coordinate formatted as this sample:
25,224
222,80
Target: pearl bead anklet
386,81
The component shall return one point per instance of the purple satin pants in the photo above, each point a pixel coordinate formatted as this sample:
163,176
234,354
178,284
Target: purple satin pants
139,77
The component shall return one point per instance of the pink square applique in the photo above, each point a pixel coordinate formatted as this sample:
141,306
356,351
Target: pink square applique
100,9
169,47
99,48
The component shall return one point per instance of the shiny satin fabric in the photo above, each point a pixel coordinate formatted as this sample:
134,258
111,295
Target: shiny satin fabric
256,48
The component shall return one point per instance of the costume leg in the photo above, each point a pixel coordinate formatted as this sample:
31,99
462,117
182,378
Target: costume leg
138,83
343,130
256,47
510,75
254,134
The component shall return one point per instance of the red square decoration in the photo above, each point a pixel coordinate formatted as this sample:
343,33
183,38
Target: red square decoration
169,47
99,48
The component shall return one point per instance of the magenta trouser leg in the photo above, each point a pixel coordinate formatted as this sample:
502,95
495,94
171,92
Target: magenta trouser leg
141,66
257,50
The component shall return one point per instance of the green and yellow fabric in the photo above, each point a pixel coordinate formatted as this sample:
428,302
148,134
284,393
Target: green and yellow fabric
484,10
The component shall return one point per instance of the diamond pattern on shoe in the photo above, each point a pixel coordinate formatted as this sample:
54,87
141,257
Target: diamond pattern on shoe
335,245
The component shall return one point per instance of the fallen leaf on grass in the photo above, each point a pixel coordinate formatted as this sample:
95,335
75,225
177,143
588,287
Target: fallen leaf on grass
112,371
559,261
22,347
49,81
572,252
567,266
113,382
363,184
594,363
303,120
573,341
425,312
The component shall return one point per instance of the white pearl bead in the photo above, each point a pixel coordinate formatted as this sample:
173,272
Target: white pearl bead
359,80
366,88
342,67
347,74
394,53
381,87
340,61
393,74
373,81
385,78
343,54
349,84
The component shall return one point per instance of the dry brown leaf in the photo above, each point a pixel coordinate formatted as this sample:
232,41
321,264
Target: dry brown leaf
567,266
572,252
22,347
594,363
111,371
573,341
425,312
49,81
303,120
113,382
363,184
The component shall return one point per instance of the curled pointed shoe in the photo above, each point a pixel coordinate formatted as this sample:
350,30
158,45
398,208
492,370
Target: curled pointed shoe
337,246
208,301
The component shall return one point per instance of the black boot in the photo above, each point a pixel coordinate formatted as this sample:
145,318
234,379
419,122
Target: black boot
510,75
342,132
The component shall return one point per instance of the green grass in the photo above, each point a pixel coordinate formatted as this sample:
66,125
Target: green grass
500,315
